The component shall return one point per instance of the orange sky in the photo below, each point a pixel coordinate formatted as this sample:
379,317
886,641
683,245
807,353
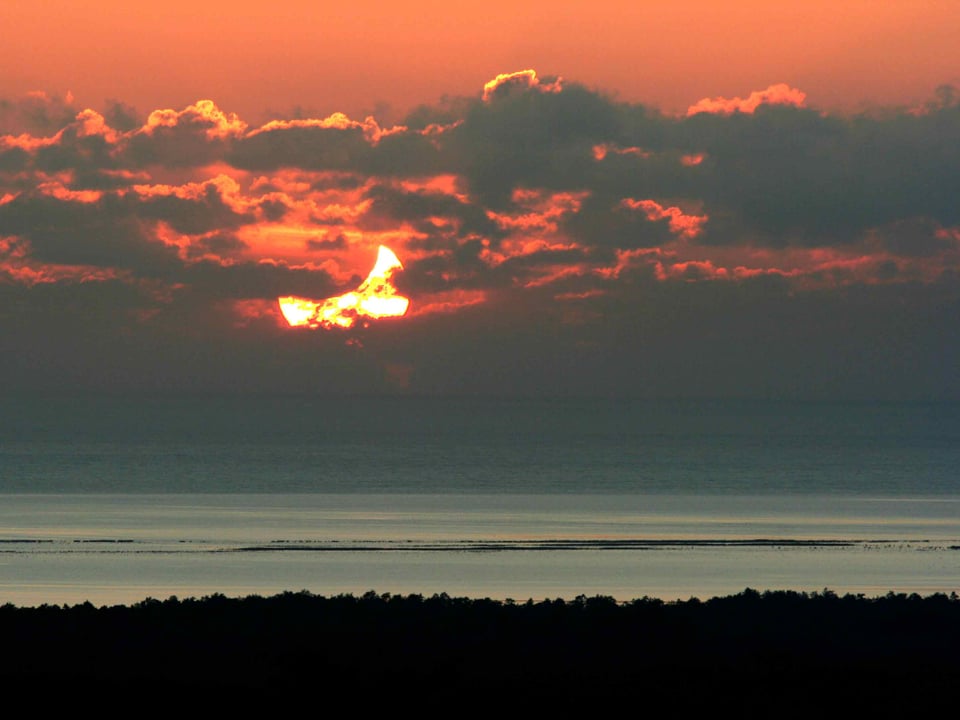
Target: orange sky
787,227
321,56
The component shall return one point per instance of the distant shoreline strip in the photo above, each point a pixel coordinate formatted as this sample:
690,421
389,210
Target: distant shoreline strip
107,546
501,545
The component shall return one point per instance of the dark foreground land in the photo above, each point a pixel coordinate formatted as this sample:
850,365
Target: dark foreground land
759,653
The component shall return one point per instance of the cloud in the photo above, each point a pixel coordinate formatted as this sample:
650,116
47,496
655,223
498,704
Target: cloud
371,130
433,212
197,135
540,222
524,79
686,226
556,162
203,116
787,175
779,94
36,113
530,139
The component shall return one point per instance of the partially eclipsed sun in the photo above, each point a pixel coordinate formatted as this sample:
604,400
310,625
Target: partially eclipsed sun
375,298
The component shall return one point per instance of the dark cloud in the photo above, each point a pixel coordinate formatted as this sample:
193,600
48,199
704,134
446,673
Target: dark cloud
122,116
197,135
212,280
446,112
604,222
530,139
272,209
554,240
37,113
393,204
918,237
114,230
796,176
337,242
338,181
14,159
219,243
76,153
459,267
405,154
309,148
72,233
200,212
96,178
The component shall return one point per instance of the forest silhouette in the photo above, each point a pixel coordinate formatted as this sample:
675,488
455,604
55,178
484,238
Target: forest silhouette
892,651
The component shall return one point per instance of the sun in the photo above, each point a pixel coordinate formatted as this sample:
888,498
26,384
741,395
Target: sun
375,298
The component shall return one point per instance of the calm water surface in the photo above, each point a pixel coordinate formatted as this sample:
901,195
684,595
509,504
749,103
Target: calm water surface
114,500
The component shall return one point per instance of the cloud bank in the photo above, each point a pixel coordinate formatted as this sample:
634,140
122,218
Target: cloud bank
554,240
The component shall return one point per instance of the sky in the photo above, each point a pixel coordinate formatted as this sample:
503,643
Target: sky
693,199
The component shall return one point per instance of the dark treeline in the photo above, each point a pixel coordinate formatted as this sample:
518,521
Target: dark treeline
752,648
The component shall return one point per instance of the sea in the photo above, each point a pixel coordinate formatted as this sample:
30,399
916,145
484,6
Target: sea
116,499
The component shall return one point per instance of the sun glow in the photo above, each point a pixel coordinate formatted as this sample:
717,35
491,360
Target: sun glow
375,298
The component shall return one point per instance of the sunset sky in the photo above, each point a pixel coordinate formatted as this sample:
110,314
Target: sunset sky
696,199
